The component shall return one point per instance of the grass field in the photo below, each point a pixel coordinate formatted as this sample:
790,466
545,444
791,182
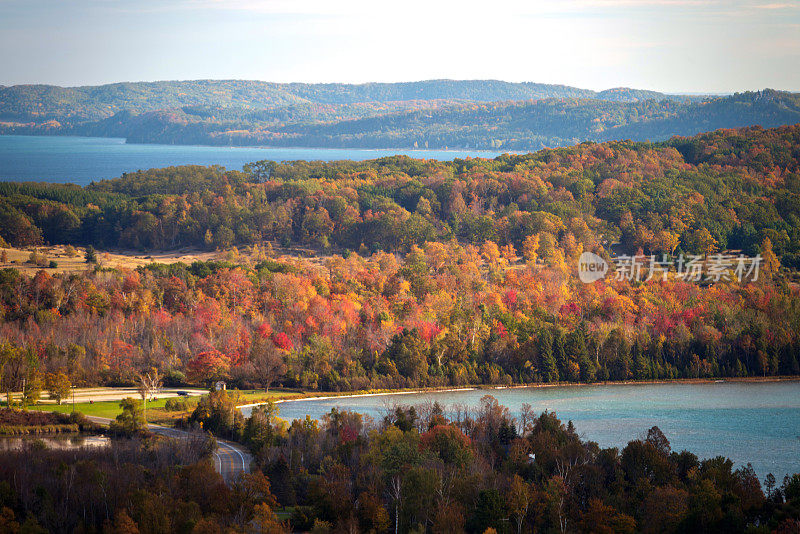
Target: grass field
155,409
284,513
109,409
18,258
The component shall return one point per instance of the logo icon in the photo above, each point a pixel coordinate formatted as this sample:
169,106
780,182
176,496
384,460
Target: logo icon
591,267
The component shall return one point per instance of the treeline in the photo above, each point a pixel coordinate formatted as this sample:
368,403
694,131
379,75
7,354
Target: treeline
74,105
521,125
729,189
136,486
419,469
438,316
453,470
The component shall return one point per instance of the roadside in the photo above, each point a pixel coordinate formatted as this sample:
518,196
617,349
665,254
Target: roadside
230,459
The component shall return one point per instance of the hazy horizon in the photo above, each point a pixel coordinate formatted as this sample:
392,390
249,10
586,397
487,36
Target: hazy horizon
670,46
376,82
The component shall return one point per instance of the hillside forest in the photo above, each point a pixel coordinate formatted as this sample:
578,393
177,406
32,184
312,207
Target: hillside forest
434,114
421,273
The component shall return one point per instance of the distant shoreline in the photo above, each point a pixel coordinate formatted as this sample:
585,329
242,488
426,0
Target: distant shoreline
489,153
490,387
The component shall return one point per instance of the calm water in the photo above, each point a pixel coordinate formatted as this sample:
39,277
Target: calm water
54,441
747,422
81,160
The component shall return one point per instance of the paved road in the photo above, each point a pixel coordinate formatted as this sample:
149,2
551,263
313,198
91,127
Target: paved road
230,459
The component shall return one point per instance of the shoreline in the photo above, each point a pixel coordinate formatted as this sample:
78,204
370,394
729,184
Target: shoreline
489,387
486,153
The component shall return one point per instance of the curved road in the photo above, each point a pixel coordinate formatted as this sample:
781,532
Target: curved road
230,459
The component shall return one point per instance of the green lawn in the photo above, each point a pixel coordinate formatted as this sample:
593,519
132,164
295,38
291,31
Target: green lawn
155,409
284,512
109,409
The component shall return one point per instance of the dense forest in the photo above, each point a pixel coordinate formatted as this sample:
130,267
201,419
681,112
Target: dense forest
722,190
426,273
439,114
483,471
77,104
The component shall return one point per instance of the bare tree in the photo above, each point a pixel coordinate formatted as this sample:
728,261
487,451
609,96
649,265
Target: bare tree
527,418
268,363
395,493
149,384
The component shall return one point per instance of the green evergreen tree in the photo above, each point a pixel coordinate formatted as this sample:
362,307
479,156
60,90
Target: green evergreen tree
640,364
560,352
588,371
549,366
580,354
131,420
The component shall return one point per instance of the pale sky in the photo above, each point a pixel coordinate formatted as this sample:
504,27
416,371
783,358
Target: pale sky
665,45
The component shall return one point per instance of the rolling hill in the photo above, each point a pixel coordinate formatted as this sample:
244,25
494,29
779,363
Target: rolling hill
472,114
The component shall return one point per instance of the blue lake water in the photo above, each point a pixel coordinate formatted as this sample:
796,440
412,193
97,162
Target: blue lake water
744,421
81,160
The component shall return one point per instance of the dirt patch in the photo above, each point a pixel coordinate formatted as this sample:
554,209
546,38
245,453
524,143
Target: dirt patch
59,259
64,259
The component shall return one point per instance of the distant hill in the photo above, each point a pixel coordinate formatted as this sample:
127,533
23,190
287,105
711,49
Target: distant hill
48,102
475,114
532,125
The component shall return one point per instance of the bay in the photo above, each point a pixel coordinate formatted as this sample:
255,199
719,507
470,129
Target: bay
81,160
748,422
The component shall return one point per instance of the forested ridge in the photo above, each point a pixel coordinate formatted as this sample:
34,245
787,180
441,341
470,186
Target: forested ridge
434,114
728,189
49,102
430,273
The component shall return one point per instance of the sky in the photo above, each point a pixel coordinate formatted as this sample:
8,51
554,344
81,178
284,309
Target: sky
687,46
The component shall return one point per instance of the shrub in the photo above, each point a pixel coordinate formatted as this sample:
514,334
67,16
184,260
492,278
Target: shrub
173,377
176,405
131,421
91,255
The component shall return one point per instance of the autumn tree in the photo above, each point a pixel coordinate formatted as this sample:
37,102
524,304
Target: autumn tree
408,352
769,261
519,499
217,413
58,386
32,390
209,365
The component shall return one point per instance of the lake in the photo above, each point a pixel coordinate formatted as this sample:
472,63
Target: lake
54,441
81,160
756,422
